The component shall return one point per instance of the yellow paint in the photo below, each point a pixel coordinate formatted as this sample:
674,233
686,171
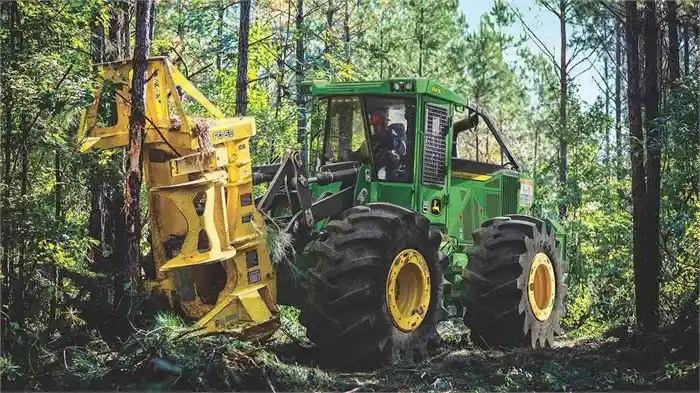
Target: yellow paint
223,291
470,176
408,290
435,207
541,287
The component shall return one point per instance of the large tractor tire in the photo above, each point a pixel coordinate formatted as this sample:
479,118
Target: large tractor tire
514,289
377,288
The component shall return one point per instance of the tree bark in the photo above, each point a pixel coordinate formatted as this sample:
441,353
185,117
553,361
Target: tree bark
299,72
243,47
606,84
649,318
282,62
637,161
181,10
105,187
686,49
119,30
563,146
18,309
54,275
137,129
127,10
673,47
19,288
220,34
346,34
9,9
420,27
97,180
618,99
98,40
152,22
329,39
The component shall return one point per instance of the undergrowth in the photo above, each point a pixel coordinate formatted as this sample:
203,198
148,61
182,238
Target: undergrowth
619,361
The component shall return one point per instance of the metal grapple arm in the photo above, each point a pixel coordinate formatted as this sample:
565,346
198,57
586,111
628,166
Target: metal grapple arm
287,180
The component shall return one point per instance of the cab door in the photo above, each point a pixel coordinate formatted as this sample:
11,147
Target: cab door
433,181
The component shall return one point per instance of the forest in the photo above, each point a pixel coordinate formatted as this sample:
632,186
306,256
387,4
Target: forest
620,172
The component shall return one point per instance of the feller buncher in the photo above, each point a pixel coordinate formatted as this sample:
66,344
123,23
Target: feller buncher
393,209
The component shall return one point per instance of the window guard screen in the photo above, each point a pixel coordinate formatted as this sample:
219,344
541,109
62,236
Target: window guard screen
434,144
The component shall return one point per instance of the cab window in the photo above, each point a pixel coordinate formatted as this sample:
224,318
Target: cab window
345,139
391,133
478,144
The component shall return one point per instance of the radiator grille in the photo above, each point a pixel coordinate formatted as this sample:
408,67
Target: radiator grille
511,187
434,145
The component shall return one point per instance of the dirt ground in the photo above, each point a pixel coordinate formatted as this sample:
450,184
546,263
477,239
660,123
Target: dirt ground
622,362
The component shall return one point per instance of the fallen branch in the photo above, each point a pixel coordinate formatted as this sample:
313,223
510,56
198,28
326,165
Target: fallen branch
269,383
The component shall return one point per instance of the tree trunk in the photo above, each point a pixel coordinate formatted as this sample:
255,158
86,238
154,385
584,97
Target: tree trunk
220,34
329,39
381,46
618,99
98,40
673,51
606,76
119,29
152,22
346,34
649,318
8,9
299,71
115,23
282,60
97,180
105,187
637,160
563,146
126,30
137,130
420,27
242,77
8,105
54,277
686,49
18,308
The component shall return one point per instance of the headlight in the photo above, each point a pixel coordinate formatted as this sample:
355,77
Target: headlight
396,86
409,86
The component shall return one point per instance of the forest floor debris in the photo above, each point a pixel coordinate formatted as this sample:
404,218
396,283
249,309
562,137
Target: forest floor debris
286,363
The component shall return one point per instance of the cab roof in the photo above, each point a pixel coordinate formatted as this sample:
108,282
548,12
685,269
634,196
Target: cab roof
420,86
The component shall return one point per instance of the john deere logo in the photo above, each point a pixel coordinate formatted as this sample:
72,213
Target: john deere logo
436,206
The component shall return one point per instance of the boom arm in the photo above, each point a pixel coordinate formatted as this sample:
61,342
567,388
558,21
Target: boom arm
288,179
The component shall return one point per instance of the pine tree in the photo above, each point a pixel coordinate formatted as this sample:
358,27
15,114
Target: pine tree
137,132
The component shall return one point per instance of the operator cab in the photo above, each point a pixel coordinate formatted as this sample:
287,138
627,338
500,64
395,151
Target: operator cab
372,130
374,123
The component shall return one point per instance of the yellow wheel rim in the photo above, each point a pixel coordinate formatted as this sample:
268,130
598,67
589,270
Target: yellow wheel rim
408,290
541,287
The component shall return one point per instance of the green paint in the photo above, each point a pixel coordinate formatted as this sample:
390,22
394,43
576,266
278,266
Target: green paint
456,203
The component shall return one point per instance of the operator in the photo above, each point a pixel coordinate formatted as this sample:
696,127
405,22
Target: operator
388,145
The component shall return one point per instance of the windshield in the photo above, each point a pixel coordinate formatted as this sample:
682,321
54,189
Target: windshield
391,123
345,138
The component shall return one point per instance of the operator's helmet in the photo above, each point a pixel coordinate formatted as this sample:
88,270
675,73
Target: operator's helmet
377,120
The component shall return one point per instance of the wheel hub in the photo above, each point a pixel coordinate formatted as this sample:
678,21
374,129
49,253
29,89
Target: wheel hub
408,290
541,287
